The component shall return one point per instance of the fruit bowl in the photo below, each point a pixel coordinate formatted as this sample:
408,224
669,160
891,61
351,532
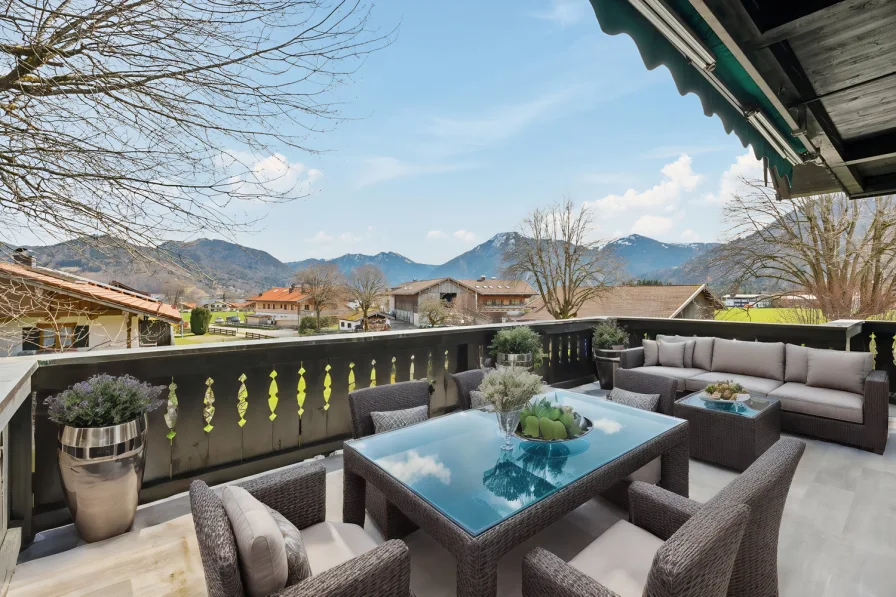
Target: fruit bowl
547,422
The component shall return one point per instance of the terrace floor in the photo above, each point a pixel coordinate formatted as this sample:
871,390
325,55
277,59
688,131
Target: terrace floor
838,537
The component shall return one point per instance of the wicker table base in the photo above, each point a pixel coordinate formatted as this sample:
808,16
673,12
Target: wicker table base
730,439
477,556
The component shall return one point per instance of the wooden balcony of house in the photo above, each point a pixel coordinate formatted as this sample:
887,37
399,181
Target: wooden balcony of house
836,535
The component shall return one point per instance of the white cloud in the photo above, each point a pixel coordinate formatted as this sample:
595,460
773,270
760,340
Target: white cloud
483,130
381,168
564,12
415,467
349,237
465,235
271,175
671,151
746,166
320,238
436,234
689,236
649,225
679,178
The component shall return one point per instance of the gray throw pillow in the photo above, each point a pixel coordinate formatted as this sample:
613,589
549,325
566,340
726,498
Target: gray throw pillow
477,400
396,419
796,363
298,567
839,370
259,543
701,355
651,354
672,354
633,399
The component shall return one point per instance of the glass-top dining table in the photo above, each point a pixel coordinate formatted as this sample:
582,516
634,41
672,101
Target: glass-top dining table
450,476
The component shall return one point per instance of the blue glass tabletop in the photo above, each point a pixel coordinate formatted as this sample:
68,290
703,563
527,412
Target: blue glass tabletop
748,408
456,463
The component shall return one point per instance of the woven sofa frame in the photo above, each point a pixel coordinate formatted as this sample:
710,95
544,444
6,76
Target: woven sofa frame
870,435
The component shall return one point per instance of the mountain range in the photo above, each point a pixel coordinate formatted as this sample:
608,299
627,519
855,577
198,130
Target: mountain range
217,266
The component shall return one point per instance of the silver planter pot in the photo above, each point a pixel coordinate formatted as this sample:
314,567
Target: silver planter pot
101,469
523,361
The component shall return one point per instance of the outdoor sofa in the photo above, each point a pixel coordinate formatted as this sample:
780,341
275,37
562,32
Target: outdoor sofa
829,394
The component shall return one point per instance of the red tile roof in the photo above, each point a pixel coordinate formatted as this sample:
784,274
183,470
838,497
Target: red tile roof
631,301
280,294
90,290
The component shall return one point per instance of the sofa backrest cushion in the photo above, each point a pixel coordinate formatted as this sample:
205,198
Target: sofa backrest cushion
759,359
672,354
796,366
651,353
839,370
701,356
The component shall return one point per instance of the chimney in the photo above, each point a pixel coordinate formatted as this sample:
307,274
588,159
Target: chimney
494,277
23,256
292,287
482,278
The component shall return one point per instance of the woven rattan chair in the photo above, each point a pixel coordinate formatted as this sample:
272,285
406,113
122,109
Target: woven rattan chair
626,561
299,494
398,396
763,487
643,383
467,382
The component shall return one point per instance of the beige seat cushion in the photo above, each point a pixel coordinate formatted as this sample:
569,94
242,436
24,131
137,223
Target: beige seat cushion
679,373
820,402
329,544
259,543
649,473
753,384
620,559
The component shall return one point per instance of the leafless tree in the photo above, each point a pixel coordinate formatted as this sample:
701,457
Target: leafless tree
367,285
466,310
324,285
433,310
174,291
837,255
140,119
558,254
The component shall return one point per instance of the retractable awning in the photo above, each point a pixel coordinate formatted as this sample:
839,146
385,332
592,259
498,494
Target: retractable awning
811,86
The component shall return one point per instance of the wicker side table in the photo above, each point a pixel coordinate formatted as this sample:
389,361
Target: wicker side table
731,435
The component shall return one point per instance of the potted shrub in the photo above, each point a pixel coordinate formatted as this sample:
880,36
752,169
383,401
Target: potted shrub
609,340
517,347
509,390
102,450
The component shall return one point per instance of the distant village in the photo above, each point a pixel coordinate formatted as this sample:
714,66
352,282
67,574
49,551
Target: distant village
52,310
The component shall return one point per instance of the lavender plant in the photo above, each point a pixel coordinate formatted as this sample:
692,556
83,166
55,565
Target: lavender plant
104,400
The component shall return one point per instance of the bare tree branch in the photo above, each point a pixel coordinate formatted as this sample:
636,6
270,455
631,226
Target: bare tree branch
559,256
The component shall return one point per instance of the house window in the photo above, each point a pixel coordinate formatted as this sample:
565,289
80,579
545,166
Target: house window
47,337
307,307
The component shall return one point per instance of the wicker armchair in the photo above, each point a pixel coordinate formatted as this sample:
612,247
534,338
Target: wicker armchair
696,561
300,495
467,382
398,396
763,487
635,381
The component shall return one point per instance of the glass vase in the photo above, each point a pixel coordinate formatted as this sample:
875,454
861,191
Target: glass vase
508,421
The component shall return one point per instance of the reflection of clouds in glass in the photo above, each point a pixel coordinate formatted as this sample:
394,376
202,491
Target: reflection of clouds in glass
415,467
608,426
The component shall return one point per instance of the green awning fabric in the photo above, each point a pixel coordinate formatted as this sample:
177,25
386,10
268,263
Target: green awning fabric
618,16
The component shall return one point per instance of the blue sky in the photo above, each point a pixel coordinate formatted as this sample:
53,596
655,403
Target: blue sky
480,112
